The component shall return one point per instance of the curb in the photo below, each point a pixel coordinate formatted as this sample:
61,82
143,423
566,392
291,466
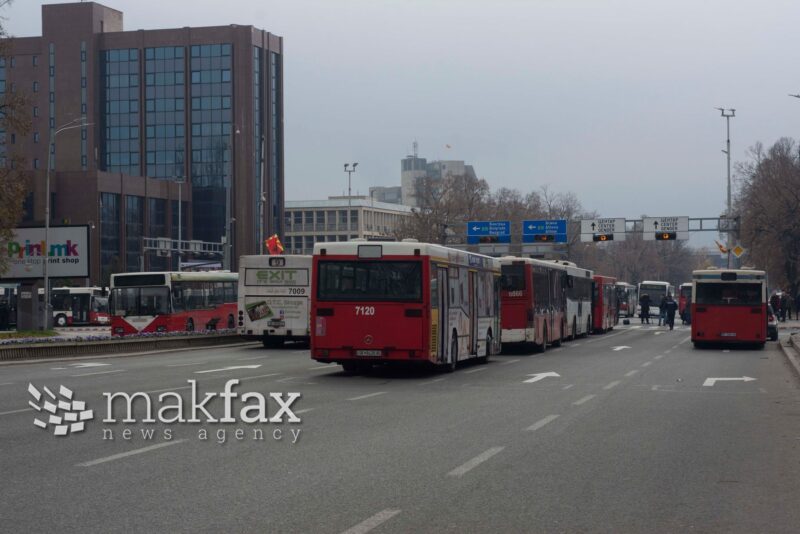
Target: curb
97,349
792,350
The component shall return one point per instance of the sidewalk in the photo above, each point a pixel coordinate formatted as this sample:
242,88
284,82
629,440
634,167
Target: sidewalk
790,326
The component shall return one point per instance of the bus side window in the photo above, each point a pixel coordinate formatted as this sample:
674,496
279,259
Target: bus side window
177,296
434,292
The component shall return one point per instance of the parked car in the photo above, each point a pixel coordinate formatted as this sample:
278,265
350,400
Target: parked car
772,324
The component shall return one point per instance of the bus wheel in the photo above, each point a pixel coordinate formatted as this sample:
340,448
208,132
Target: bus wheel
231,322
189,325
557,342
451,366
350,367
489,342
588,326
61,320
541,347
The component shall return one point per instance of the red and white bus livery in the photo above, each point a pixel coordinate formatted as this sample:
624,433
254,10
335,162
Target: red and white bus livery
402,302
172,302
685,302
729,306
604,304
534,302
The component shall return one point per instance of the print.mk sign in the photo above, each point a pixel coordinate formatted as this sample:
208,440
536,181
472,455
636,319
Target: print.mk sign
66,250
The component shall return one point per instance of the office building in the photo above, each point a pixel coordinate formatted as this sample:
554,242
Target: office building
194,114
421,180
391,195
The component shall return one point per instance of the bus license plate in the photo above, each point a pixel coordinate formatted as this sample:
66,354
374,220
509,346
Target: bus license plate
368,353
728,334
277,323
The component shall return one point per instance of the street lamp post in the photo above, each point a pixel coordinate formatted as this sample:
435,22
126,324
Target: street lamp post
349,172
727,114
76,123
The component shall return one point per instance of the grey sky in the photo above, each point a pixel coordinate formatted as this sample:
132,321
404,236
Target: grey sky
611,99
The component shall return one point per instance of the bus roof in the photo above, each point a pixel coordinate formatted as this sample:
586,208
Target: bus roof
406,248
569,267
625,284
730,274
655,282
186,276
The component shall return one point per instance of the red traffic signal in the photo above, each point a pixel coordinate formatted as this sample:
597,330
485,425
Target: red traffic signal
544,238
603,237
666,236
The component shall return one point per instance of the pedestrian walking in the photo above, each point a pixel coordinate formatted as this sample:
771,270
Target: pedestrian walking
644,302
784,306
670,307
775,302
789,306
662,310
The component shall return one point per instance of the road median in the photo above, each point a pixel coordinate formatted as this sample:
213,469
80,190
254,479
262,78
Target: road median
81,348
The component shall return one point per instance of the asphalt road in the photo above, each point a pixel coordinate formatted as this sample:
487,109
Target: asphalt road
625,440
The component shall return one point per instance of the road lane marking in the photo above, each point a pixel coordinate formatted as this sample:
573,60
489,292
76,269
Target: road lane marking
7,384
185,364
259,376
684,340
475,370
102,372
304,410
631,373
17,411
541,422
326,366
575,345
230,368
504,363
373,522
367,396
659,356
587,398
168,389
129,453
431,381
645,364
613,384
568,386
475,462
667,351
252,358
711,381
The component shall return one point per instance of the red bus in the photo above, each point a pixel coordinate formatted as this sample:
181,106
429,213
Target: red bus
172,302
628,298
684,302
729,306
604,304
402,302
533,300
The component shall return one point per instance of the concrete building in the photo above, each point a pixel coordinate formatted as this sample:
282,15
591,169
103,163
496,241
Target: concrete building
421,179
391,194
312,221
195,113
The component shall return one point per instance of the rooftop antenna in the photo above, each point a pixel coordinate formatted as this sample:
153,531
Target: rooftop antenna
416,147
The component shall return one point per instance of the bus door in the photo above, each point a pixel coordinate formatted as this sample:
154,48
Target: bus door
444,298
473,315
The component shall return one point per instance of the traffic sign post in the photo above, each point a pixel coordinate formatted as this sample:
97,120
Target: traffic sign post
488,232
602,230
544,231
665,228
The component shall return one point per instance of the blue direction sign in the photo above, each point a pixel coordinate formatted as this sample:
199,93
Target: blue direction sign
488,232
544,231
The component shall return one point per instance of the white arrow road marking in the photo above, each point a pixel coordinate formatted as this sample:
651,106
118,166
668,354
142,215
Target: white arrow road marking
712,381
621,347
233,367
88,364
540,376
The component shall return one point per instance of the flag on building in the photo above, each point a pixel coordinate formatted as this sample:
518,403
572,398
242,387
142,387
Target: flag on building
274,245
722,248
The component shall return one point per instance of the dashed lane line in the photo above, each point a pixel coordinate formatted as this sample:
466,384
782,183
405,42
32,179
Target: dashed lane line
659,356
504,363
587,398
17,411
631,373
431,381
360,397
568,386
129,453
102,372
541,422
373,522
475,370
475,462
613,384
645,364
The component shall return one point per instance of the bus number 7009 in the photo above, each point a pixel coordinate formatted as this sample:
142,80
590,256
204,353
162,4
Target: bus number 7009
365,310
297,291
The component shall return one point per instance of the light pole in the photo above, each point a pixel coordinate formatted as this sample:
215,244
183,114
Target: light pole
727,114
349,172
228,250
262,211
75,123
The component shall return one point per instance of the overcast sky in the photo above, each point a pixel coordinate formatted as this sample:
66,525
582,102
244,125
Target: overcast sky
613,100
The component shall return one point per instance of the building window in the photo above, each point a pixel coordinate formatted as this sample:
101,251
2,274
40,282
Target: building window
119,118
165,131
35,163
35,87
35,60
13,62
109,235
134,229
35,111
35,137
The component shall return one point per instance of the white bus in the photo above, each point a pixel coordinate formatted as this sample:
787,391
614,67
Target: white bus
75,306
273,298
579,286
656,290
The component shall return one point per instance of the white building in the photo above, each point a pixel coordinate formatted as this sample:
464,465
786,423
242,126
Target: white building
313,221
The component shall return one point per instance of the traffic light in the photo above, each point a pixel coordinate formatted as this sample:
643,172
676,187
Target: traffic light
666,236
603,237
544,238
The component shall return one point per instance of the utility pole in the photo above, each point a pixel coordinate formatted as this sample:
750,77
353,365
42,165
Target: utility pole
727,114
349,172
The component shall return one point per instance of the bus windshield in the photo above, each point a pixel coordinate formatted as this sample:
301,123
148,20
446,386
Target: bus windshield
655,291
133,301
733,294
370,280
513,277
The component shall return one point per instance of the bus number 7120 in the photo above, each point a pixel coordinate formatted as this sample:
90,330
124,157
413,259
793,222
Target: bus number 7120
365,310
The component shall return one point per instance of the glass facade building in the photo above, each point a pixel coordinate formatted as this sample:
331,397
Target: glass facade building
120,118
165,89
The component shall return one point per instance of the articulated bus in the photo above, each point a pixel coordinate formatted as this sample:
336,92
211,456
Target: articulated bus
685,302
628,298
656,291
533,301
729,306
403,302
604,309
172,302
273,298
